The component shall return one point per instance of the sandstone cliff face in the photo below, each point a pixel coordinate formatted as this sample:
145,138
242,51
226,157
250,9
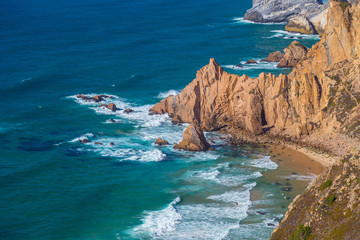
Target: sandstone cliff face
193,140
319,98
216,98
305,16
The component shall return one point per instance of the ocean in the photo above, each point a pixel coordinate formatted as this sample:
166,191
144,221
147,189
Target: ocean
138,51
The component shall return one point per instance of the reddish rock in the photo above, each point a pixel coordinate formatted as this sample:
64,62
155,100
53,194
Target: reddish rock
293,54
193,140
274,57
161,142
112,107
251,61
177,120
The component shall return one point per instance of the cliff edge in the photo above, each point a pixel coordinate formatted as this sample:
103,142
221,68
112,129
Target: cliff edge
317,105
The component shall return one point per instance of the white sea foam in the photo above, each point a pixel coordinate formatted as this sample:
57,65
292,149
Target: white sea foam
292,35
259,65
157,223
243,21
168,93
140,116
240,198
308,177
263,162
83,137
233,180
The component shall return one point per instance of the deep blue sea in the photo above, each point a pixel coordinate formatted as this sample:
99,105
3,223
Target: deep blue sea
139,51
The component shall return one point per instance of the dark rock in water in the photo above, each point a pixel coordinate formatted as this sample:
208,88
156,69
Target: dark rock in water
300,37
112,144
193,139
98,143
288,184
278,183
291,37
110,106
161,142
294,173
128,110
288,189
177,120
97,98
85,140
271,224
261,212
112,120
239,65
251,61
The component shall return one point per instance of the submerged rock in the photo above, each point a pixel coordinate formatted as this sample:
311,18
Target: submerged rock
128,110
193,140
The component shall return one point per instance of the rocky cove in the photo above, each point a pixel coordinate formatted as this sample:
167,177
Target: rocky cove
316,106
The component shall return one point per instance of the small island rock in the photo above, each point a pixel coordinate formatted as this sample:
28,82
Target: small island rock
193,140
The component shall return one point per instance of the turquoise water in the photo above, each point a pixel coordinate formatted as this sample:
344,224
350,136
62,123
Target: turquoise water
53,187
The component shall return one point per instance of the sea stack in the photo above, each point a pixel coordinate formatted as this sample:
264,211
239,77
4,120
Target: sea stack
193,139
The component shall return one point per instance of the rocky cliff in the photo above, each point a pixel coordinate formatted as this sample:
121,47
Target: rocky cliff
305,16
317,104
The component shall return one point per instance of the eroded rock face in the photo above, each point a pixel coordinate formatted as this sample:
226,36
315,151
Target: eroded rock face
311,14
274,57
319,98
293,54
193,140
216,98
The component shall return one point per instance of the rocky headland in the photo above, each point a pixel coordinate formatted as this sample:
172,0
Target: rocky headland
316,106
304,16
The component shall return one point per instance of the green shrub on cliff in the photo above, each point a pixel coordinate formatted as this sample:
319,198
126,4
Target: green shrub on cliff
301,233
326,184
330,199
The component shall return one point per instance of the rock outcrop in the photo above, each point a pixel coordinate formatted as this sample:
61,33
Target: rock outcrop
110,106
97,98
193,140
274,57
321,95
305,16
161,142
293,54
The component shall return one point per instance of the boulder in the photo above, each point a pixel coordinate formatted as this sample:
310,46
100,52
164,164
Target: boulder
112,144
85,140
251,61
193,140
128,110
274,57
110,106
293,54
161,142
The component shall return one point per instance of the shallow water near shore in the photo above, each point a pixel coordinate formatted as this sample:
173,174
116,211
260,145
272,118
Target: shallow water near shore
54,187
